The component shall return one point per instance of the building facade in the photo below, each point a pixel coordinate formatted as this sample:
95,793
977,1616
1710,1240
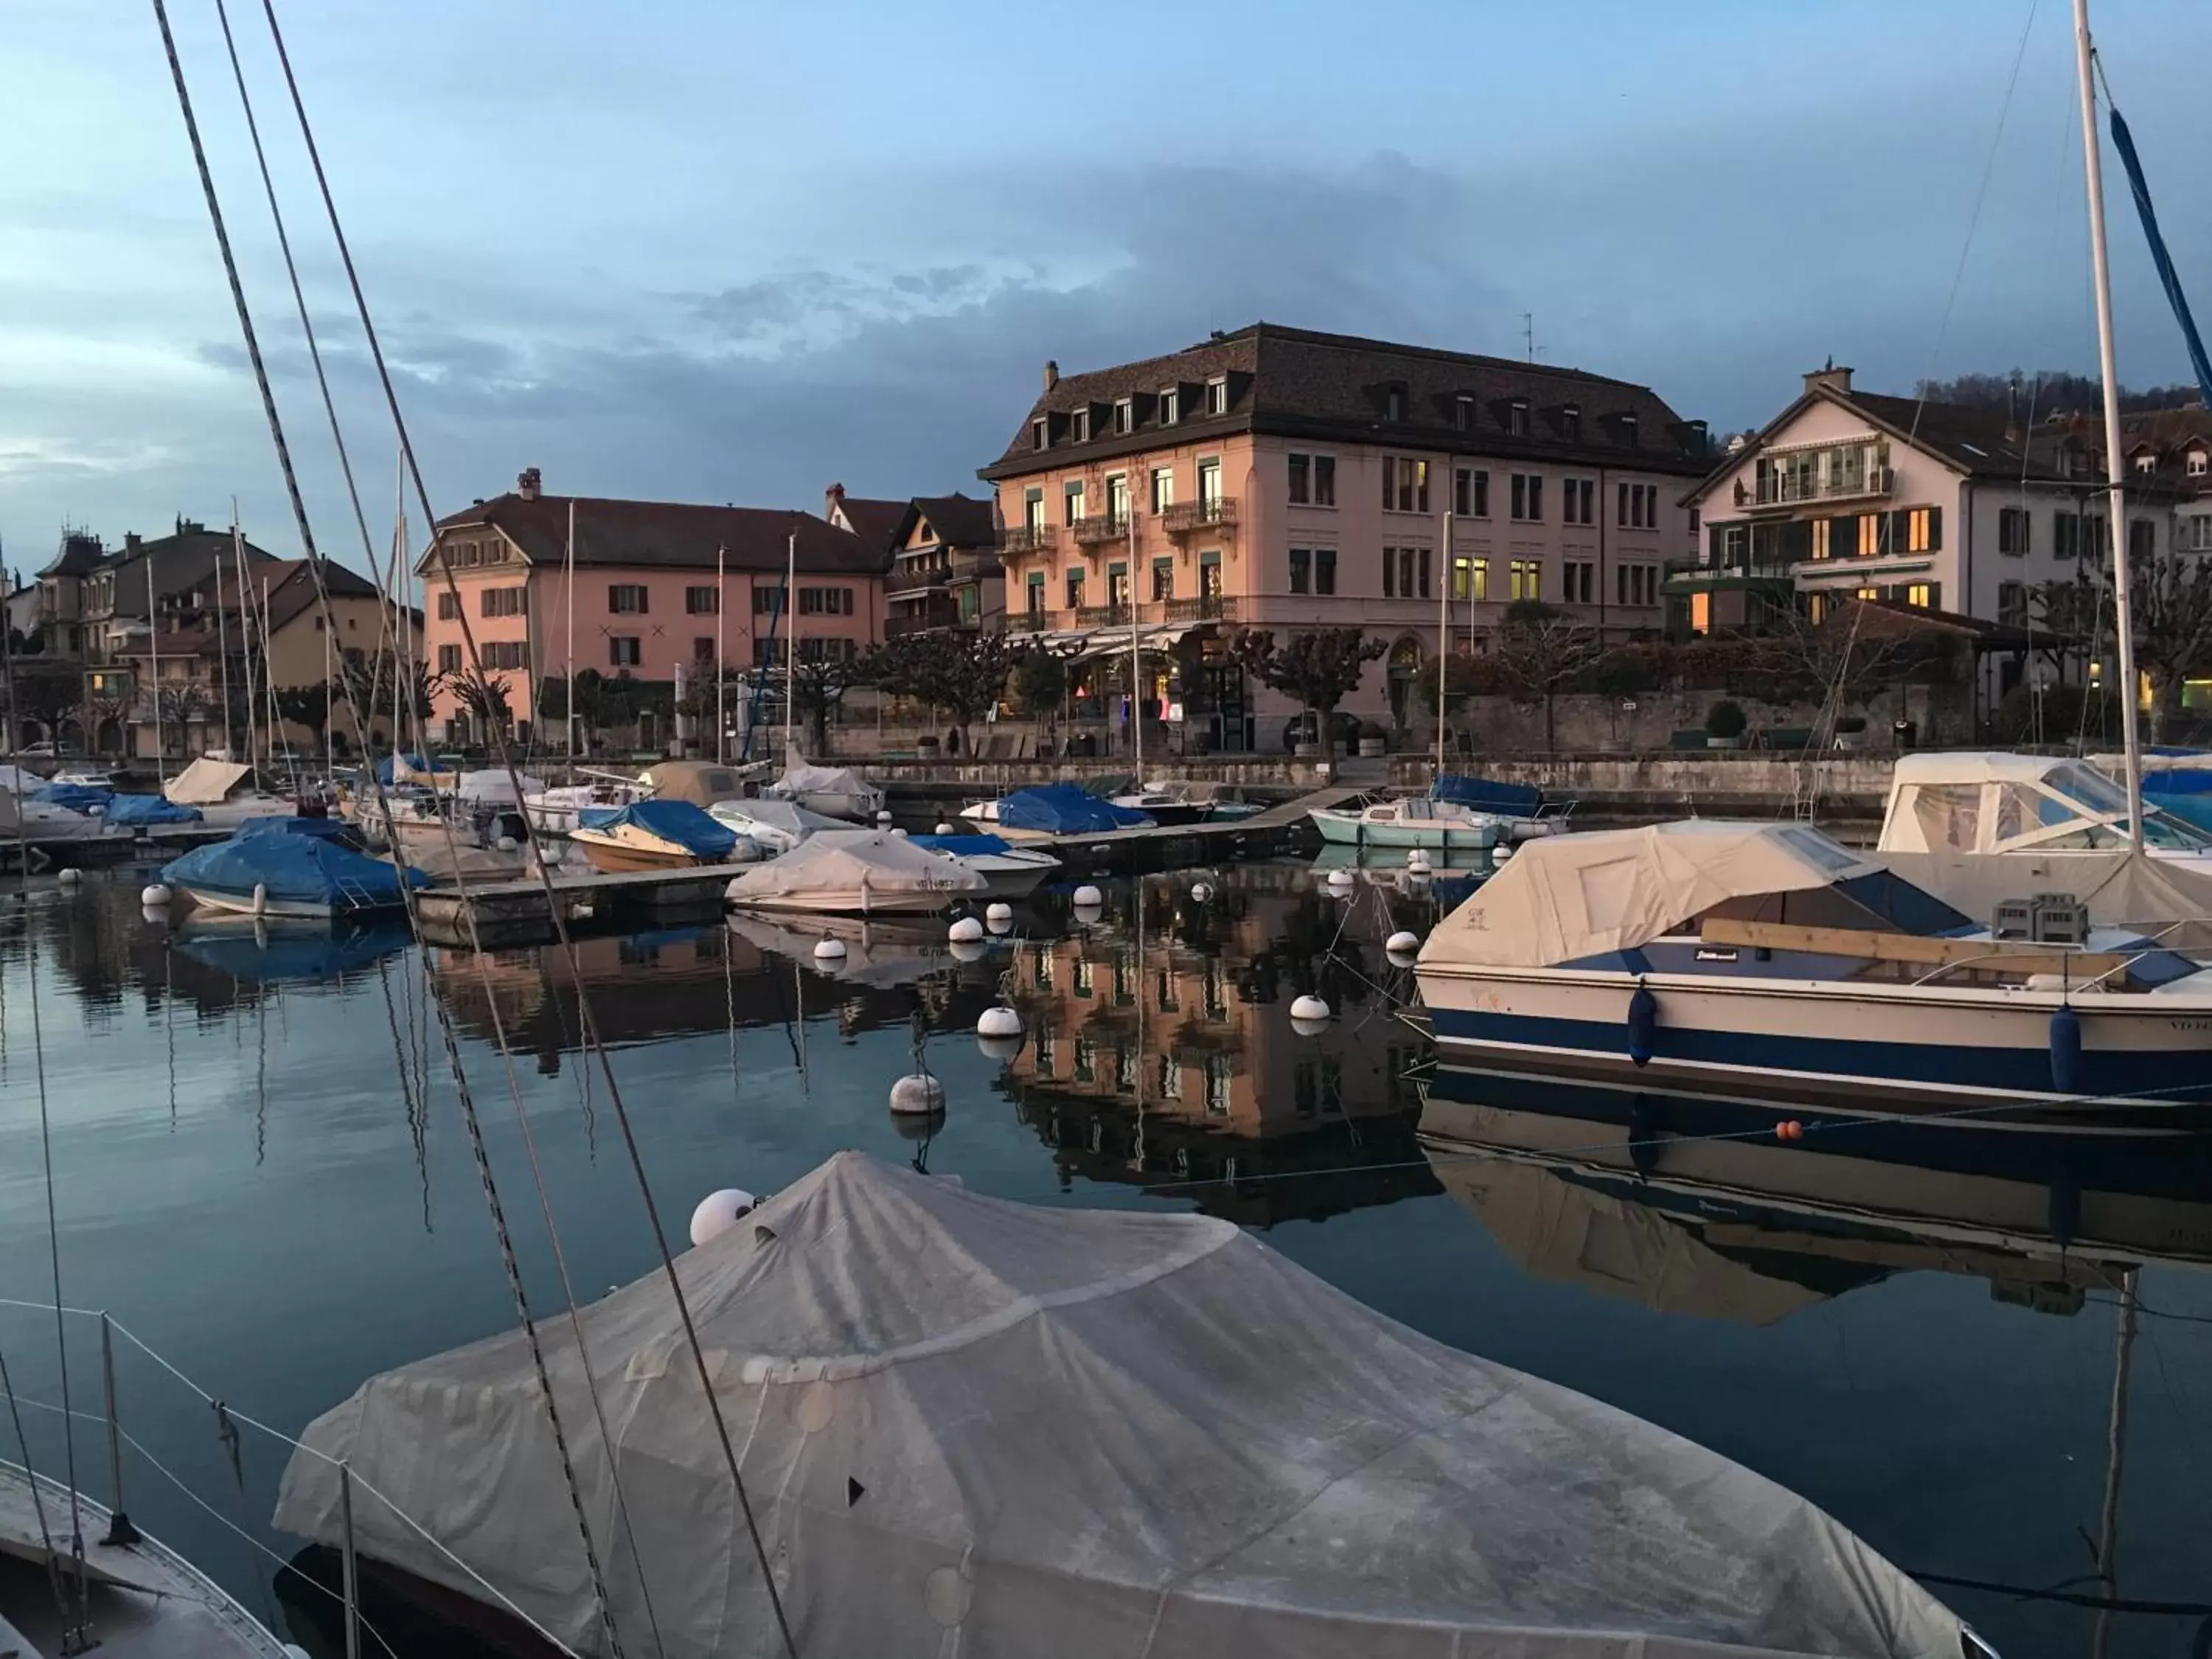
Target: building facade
1276,478
945,570
655,592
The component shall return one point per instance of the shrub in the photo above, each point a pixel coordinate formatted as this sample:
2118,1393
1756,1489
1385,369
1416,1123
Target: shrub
1725,719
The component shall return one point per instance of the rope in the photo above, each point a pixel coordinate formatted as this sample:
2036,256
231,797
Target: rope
306,537
559,924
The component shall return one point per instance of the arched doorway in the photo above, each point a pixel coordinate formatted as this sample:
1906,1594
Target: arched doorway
111,738
1404,667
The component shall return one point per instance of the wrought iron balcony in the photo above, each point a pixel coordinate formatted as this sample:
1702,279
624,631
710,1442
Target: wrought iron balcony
1094,532
1207,607
1784,489
1101,616
1027,538
1029,621
1184,517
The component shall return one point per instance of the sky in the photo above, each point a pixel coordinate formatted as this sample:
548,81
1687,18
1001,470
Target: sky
735,252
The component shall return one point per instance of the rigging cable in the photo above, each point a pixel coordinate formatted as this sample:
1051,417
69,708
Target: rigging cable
560,923
314,563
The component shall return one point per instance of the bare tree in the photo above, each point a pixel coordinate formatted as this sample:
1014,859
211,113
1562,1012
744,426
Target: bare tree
1320,668
1841,662
1538,652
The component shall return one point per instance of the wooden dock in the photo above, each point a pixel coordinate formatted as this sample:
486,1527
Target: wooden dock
513,911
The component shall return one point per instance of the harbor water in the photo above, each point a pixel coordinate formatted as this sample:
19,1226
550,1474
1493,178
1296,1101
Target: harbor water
1997,1370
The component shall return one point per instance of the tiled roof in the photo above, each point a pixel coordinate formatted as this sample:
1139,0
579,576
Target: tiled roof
673,534
875,521
1292,382
959,521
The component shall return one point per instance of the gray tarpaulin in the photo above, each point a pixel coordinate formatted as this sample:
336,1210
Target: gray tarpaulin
977,1428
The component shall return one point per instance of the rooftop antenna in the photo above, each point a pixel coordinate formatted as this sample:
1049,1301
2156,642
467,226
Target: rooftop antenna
1529,335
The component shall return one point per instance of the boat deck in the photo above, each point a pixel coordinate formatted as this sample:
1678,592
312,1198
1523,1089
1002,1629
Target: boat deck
147,1601
1280,829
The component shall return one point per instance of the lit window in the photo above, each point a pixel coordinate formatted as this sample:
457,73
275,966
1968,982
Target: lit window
1820,539
1921,595
2199,463
1871,526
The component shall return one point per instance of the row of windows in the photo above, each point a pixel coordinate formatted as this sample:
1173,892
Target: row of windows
500,601
466,554
1121,416
1075,506
2074,534
494,654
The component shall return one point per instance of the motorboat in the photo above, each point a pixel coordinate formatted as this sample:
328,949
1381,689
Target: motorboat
26,817
309,868
863,872
1523,810
1422,821
776,826
1160,802
1013,871
831,790
1767,959
136,812
225,792
661,835
557,811
1048,809
1320,1480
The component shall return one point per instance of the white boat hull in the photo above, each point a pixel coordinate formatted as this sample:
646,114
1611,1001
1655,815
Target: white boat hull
847,901
1342,829
243,904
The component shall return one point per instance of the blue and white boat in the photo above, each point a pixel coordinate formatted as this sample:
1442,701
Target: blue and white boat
1013,871
279,867
1766,959
661,835
1053,808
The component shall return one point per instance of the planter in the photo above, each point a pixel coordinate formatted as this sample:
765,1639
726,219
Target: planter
1306,751
926,747
1372,748
1723,743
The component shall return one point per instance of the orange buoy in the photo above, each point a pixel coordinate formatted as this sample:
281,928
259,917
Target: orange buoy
1790,1129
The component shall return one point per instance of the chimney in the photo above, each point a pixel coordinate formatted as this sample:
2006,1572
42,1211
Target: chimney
131,540
833,503
1836,380
528,482
1051,374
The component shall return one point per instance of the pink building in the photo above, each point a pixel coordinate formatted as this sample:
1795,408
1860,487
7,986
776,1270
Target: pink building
1282,479
661,590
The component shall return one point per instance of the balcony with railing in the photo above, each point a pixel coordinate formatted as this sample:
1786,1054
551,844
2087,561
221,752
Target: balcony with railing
1029,621
1781,487
1185,518
1102,615
1021,539
1207,607
1096,533
938,570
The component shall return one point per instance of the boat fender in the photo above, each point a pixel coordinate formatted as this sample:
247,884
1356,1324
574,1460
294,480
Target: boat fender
1643,1024
69,876
943,828
717,1212
260,898
917,1095
2066,1050
1403,944
1000,917
1088,898
154,897
966,931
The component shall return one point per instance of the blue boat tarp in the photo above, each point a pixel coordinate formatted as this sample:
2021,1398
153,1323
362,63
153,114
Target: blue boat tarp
1508,800
1062,809
413,763
295,869
688,826
135,810
961,846
253,955
281,823
77,797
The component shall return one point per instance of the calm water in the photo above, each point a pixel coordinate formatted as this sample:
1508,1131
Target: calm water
260,1168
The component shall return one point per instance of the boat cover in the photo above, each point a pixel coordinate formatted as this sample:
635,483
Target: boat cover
150,808
801,779
787,816
1565,896
854,861
979,1427
412,769
701,782
18,782
291,823
206,781
962,847
2168,900
77,797
1518,800
1063,809
490,787
296,869
676,821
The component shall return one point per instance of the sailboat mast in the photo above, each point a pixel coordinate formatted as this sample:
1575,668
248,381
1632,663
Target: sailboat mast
721,725
1443,635
1136,657
568,598
790,643
245,629
2107,364
153,641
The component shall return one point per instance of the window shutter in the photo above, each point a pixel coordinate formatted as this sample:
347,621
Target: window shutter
1934,529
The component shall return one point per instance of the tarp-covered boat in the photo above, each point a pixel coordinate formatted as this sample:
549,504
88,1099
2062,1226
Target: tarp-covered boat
225,792
1062,809
1013,871
659,834
777,825
828,789
975,1426
132,811
867,871
269,870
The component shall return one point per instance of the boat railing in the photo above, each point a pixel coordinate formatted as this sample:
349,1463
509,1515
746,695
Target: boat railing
228,1420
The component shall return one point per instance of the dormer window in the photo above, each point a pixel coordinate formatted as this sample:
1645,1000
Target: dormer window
2146,462
2199,463
1170,404
2077,463
1393,404
1626,431
1463,413
1517,418
1040,433
1217,395
1571,423
1125,417
1080,425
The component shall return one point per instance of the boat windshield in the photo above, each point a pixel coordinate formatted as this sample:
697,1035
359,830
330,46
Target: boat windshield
2091,790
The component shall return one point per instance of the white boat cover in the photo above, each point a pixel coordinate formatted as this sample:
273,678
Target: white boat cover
491,787
1565,896
801,779
786,817
853,861
974,1427
16,782
2168,901
206,781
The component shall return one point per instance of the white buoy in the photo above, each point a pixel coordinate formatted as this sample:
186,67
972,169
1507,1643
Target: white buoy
917,1095
884,819
1502,852
507,843
71,876
95,811
966,931
1088,898
1340,877
1403,944
944,829
154,915
999,916
900,833
720,1212
154,897
999,1022
1418,859
1200,891
829,950
1309,1007
968,950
